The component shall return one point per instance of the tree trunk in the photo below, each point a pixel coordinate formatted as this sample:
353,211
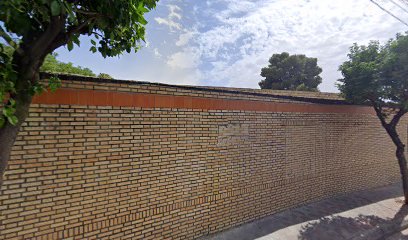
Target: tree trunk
28,73
27,60
391,129
9,133
402,161
403,169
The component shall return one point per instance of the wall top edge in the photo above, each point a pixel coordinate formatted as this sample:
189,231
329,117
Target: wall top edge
318,98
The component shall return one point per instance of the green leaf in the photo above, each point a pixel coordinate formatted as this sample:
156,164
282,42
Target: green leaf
13,120
141,8
75,39
71,17
38,89
68,9
55,8
142,20
93,49
12,102
2,121
54,83
9,85
93,42
8,111
70,46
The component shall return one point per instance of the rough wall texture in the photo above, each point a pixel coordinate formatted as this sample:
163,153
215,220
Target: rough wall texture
123,161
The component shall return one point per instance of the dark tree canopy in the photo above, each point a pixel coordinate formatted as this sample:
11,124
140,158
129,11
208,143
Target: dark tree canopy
291,72
378,75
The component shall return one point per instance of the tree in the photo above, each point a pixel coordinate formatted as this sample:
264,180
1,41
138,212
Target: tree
51,64
291,72
35,28
377,75
105,76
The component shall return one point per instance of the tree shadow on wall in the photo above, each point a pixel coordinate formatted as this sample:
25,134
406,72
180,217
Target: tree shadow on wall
361,227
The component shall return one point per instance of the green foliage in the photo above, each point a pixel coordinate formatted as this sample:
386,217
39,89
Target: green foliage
9,110
377,74
54,83
118,25
291,72
105,76
35,28
7,87
51,64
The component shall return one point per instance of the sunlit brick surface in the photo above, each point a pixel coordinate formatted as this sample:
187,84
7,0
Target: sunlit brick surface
100,170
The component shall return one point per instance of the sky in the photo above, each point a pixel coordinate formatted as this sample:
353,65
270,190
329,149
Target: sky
227,42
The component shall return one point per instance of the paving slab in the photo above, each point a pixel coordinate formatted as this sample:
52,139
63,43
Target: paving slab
370,214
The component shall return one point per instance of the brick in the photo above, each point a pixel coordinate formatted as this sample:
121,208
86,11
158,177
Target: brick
167,162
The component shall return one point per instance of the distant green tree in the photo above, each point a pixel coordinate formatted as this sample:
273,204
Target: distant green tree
378,75
291,72
105,76
51,64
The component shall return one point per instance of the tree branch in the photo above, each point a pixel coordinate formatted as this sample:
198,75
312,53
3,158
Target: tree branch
63,38
96,33
391,126
397,117
378,111
55,27
91,14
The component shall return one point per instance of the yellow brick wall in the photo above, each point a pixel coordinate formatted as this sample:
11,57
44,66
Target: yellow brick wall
108,172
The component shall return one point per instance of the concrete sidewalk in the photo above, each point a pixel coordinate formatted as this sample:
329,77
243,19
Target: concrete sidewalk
371,214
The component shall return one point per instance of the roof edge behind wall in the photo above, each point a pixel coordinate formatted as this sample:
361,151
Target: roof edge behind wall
67,77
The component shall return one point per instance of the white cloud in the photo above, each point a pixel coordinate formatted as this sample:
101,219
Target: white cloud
247,33
184,59
168,22
172,20
185,38
157,53
174,9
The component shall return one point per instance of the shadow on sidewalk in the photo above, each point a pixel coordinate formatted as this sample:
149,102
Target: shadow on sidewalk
319,213
321,228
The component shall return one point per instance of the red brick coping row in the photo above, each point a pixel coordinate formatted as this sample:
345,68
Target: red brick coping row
143,100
